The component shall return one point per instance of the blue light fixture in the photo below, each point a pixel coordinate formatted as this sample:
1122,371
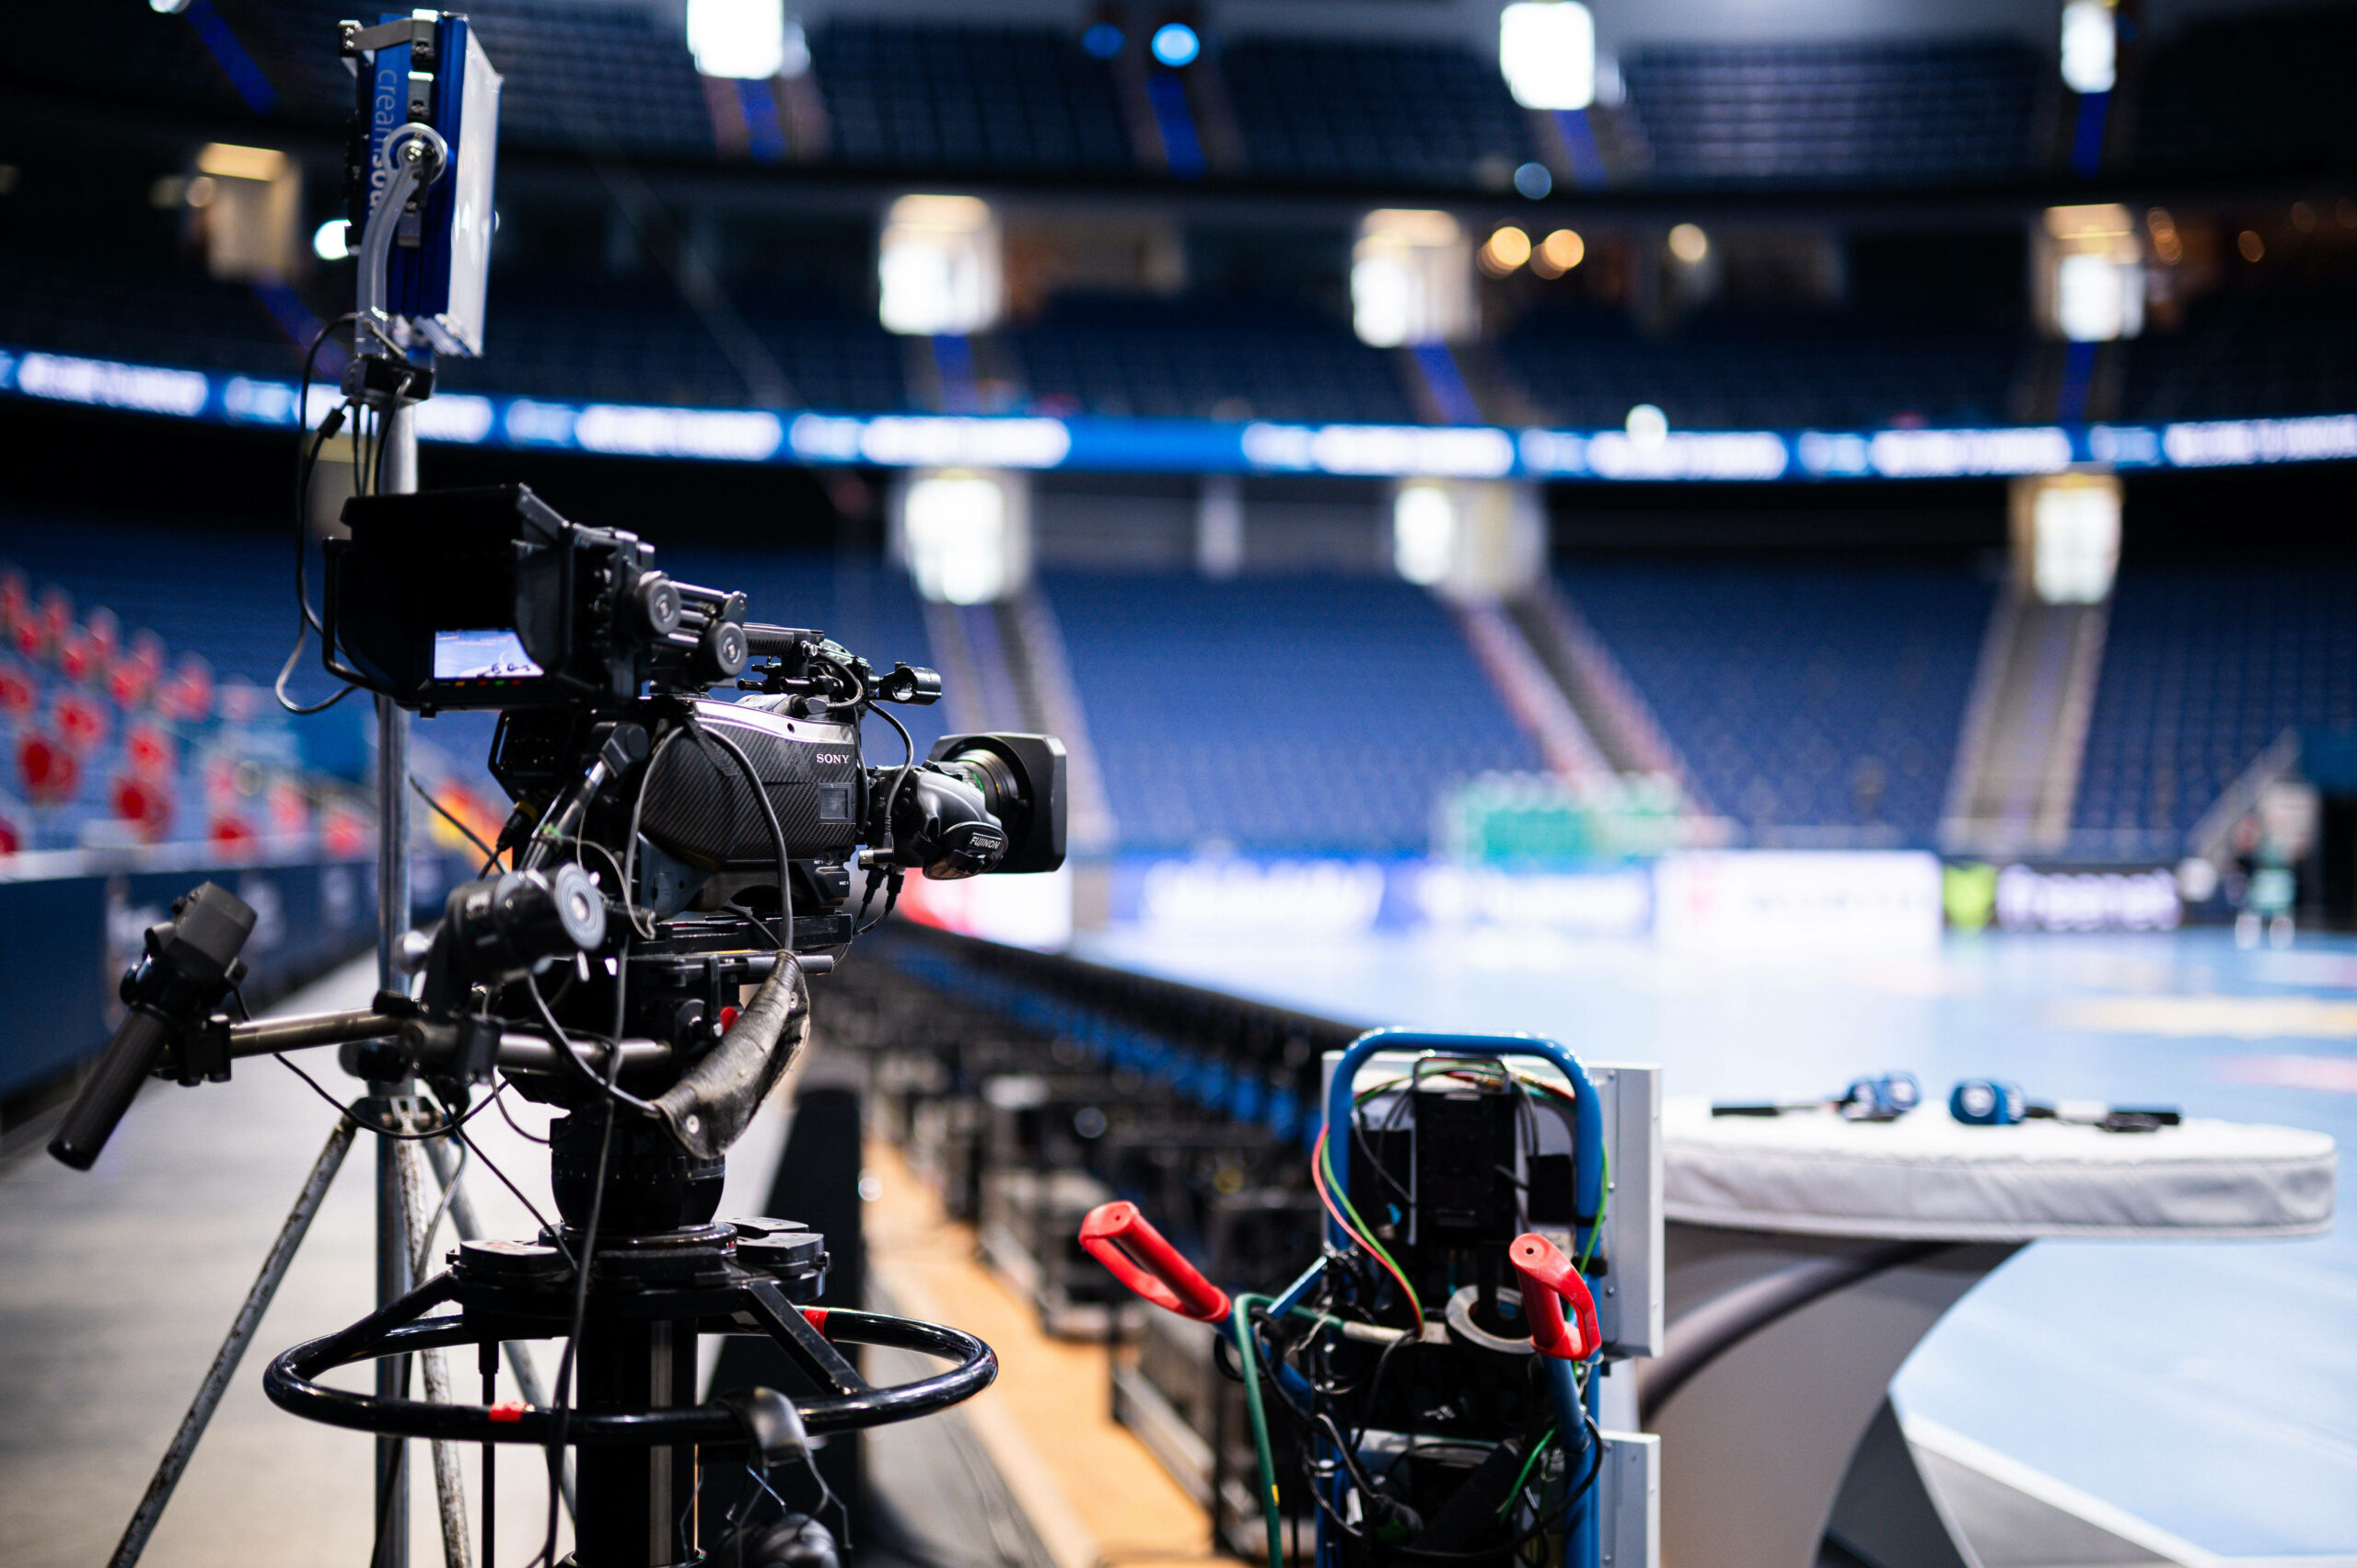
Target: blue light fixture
1102,40
1175,45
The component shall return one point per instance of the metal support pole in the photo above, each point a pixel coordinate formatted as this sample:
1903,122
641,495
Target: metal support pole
233,1349
397,474
464,1219
450,1486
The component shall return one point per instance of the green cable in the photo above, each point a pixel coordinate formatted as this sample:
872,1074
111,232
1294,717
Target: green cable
1247,1353
1603,1202
1536,1450
1365,1235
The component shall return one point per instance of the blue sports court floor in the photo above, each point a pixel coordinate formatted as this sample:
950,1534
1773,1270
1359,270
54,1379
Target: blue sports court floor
2208,1389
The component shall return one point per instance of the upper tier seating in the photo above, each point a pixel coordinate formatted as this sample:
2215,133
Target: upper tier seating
2250,91
1944,111
961,95
1369,112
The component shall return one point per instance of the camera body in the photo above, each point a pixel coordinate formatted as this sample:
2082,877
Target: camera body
716,837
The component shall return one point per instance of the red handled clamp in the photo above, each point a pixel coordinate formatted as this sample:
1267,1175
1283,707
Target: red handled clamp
1117,1236
1548,1281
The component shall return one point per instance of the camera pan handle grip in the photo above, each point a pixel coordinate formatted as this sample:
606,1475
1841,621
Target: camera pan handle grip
1549,1279
1117,1235
765,639
130,1055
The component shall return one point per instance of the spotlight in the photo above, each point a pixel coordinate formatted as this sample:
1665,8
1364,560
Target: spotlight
1689,243
1102,40
331,242
1533,180
1175,45
1558,253
1507,248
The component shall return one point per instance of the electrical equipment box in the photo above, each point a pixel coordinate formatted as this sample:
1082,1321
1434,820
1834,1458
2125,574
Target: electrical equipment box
1433,1149
428,68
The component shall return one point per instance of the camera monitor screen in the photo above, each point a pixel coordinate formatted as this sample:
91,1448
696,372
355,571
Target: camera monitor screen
490,655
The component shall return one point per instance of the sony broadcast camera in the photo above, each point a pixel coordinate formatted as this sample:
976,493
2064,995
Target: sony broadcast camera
667,849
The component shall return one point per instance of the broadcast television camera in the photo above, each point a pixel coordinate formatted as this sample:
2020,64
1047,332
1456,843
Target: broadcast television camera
668,849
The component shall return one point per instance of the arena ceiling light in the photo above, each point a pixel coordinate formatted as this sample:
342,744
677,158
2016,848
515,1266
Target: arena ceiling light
2072,521
964,533
1558,253
1505,250
2090,273
938,266
1411,279
2090,46
1547,53
1175,45
750,40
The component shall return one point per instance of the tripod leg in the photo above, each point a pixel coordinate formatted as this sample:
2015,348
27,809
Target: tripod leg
450,1485
233,1349
470,1229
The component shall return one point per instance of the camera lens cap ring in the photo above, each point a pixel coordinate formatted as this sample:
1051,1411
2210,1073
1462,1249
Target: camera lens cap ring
724,647
658,602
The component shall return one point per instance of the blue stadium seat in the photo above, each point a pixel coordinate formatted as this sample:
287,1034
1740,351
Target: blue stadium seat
1805,695
587,337
1204,358
2274,349
1373,111
965,95
2203,667
2256,89
1292,715
110,307
1835,113
1730,367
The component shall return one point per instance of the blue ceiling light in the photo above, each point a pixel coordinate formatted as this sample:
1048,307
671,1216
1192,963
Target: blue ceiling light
1102,40
1174,44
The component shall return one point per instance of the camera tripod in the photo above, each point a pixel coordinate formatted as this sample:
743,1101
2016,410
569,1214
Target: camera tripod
662,1273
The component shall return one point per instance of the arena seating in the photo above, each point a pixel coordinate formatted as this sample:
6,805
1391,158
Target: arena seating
595,77
1817,696
952,95
1835,113
2204,666
1369,112
154,313
587,337
2252,89
1278,715
2279,350
1199,359
225,594
1729,367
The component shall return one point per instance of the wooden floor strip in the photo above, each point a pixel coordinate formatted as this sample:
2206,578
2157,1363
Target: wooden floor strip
1090,1488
